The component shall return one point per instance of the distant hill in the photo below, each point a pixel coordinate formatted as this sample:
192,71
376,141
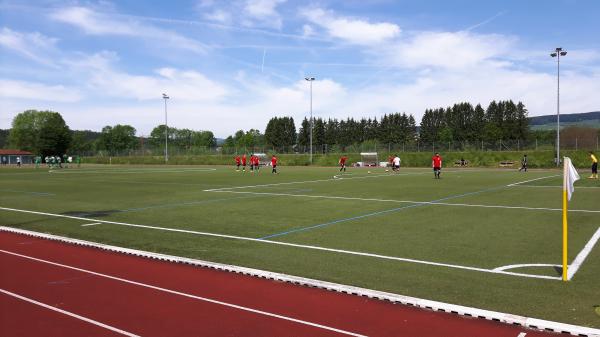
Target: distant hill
548,122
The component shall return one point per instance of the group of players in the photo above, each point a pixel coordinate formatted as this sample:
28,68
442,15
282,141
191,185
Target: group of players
394,161
241,163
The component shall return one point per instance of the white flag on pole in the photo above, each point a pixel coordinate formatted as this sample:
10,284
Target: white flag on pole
570,177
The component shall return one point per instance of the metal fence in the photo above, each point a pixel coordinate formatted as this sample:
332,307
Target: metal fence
416,146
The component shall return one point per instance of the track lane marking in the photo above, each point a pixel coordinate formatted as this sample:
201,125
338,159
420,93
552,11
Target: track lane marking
68,313
174,292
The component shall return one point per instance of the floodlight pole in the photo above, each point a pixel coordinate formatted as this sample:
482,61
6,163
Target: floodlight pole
558,52
165,97
311,79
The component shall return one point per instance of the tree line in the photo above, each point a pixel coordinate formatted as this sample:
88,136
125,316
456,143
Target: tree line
46,133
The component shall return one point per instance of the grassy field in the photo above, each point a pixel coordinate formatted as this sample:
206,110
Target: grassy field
436,239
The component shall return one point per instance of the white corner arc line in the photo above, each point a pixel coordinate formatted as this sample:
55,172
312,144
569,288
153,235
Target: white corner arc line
530,180
174,292
347,289
574,266
91,224
514,266
68,313
332,250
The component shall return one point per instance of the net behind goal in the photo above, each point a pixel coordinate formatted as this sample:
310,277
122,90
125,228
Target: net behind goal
369,159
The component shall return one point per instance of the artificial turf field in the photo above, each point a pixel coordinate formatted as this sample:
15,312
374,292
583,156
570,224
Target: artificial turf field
449,240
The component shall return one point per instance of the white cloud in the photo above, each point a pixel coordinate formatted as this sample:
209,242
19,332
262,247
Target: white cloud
248,13
12,89
447,49
187,85
219,15
34,46
98,23
350,29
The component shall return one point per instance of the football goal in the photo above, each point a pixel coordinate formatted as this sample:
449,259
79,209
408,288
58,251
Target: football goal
369,159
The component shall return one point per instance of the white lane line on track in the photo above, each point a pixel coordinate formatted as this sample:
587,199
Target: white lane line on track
68,313
522,334
280,243
91,224
407,201
205,299
574,266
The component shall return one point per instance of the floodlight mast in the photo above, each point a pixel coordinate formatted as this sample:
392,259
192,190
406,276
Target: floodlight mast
165,97
558,52
311,79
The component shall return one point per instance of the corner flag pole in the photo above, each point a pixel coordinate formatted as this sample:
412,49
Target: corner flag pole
564,222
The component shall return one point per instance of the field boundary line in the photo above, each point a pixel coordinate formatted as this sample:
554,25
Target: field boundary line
352,290
409,201
68,313
288,244
583,254
530,180
179,293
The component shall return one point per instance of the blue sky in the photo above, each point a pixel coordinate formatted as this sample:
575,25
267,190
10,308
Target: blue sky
231,65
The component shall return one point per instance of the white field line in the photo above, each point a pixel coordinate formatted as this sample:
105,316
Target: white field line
341,288
133,171
407,201
547,186
91,224
332,250
377,175
574,266
85,319
530,180
169,291
514,266
522,334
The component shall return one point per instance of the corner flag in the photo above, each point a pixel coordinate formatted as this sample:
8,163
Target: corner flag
570,176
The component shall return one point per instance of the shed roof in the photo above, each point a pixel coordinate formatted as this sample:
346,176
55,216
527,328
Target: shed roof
15,152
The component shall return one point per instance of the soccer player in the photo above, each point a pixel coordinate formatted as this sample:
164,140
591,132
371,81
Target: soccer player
523,163
274,164
238,162
343,163
244,162
396,163
594,166
436,163
256,164
19,161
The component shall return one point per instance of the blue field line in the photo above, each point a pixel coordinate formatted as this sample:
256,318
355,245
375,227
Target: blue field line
378,213
43,194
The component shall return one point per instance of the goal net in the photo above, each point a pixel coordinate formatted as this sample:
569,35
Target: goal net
263,159
369,159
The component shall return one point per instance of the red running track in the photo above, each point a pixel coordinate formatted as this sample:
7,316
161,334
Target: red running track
111,294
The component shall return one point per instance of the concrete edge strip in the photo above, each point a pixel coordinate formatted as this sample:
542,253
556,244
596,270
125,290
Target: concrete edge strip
528,322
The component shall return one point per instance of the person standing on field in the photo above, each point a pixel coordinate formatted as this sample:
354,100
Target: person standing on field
274,164
436,163
594,166
19,161
396,163
523,163
238,162
244,162
343,163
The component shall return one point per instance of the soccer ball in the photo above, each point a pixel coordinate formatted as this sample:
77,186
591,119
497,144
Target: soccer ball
369,172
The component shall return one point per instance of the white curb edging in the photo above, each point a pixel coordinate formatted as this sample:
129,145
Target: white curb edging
528,322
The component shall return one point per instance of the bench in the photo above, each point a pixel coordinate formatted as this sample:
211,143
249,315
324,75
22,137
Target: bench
507,163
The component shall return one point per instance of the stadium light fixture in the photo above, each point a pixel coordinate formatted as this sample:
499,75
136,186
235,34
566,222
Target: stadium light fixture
166,97
558,52
311,79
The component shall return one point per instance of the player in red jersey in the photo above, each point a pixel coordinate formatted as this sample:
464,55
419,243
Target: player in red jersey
343,163
244,162
274,164
436,163
256,163
238,161
252,163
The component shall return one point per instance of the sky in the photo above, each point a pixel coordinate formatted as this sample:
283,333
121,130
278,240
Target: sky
231,65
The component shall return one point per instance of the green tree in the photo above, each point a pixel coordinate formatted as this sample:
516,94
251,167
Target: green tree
117,138
41,132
